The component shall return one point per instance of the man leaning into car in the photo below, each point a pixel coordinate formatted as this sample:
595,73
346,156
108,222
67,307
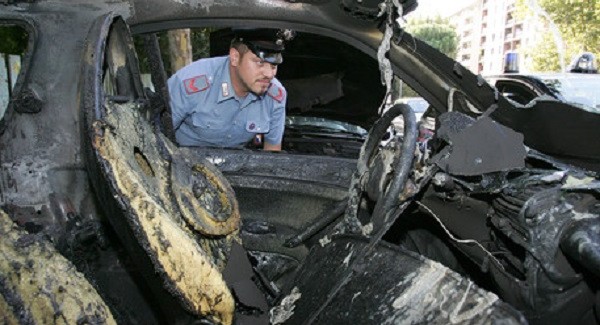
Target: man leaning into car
231,101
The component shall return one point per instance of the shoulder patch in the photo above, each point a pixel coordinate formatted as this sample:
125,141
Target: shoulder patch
276,93
196,84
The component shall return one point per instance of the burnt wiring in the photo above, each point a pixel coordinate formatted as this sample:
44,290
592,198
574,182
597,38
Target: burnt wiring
460,241
385,65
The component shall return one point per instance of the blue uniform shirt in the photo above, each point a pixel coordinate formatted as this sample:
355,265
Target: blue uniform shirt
206,111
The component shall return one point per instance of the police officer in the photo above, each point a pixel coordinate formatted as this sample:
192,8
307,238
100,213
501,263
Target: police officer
232,100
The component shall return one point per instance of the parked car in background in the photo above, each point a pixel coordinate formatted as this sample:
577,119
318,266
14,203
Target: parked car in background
577,88
104,218
578,85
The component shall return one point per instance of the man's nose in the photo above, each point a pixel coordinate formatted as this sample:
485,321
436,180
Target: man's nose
269,70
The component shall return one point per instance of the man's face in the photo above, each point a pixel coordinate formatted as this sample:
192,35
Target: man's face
254,75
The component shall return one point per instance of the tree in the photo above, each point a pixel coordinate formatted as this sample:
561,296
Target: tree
544,55
436,32
180,48
175,48
578,22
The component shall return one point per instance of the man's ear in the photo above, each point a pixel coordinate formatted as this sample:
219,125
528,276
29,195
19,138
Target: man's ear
234,57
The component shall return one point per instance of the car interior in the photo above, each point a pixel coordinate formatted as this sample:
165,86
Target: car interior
310,190
330,106
290,204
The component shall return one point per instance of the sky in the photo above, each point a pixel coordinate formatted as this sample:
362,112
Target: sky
441,7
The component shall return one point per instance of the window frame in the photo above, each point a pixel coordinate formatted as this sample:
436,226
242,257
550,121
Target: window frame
22,78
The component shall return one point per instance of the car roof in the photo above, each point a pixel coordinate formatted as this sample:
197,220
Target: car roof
547,75
150,15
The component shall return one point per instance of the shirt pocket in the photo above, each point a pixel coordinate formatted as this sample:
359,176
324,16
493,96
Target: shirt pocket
258,126
206,122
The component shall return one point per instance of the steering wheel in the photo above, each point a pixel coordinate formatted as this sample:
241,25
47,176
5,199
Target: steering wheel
401,166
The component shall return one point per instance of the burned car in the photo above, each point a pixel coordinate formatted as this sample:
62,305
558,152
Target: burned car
105,219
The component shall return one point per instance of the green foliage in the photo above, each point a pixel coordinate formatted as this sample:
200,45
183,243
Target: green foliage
201,42
578,20
13,39
544,56
437,32
579,24
408,92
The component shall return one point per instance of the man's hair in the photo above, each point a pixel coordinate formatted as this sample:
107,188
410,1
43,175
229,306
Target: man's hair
237,44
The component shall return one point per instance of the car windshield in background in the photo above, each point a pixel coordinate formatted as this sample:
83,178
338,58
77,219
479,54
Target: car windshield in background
574,88
580,89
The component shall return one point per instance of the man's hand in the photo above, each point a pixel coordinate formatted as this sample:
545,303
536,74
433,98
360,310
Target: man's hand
272,147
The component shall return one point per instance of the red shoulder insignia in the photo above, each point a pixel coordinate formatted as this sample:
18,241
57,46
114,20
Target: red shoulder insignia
276,93
196,84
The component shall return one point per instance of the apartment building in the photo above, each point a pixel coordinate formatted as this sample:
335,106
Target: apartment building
488,30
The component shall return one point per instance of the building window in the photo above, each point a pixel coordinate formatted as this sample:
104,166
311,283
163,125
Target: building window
518,30
517,45
509,18
508,33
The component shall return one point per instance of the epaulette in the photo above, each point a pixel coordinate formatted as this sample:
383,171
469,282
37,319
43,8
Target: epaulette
276,93
196,84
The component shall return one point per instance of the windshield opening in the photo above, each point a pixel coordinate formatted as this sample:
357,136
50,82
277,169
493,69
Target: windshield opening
578,90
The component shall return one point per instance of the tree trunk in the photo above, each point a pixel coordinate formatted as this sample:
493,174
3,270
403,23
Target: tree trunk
180,48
